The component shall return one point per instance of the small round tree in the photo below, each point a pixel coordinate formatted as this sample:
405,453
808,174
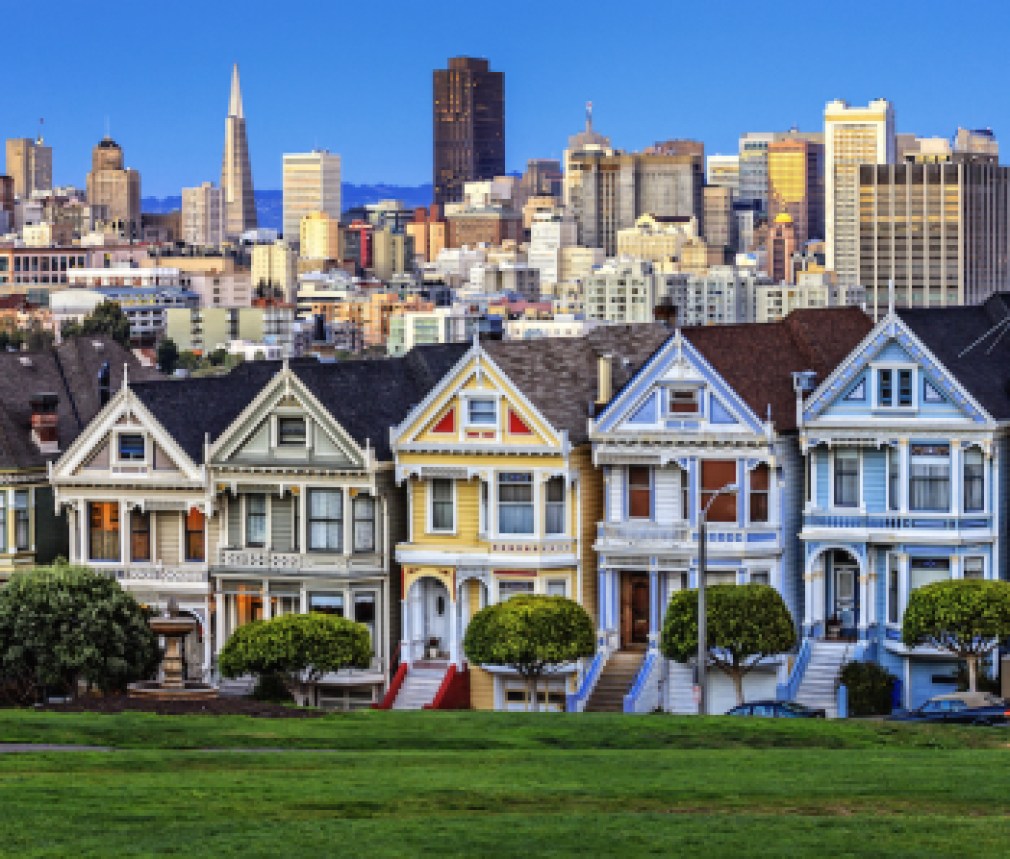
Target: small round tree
296,646
743,624
530,634
965,617
61,626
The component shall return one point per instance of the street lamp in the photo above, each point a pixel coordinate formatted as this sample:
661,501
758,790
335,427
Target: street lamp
702,631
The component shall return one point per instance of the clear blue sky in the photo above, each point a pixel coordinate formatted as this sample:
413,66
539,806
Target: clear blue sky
355,77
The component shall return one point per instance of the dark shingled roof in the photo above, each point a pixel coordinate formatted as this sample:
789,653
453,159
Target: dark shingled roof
758,360
984,370
559,375
71,372
366,397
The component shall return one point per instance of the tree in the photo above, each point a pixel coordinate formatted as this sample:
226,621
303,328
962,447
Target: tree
107,320
966,617
530,634
61,626
295,645
743,624
168,355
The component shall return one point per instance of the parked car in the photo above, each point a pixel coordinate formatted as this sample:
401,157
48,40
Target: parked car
962,708
776,710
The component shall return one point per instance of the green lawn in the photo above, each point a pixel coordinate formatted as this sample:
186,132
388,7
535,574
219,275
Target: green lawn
502,784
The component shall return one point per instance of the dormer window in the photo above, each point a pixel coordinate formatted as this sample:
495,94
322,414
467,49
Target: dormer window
482,411
895,387
291,432
684,401
131,447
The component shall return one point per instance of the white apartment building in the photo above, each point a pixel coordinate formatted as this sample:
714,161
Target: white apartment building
775,301
724,171
656,239
275,264
311,183
562,325
550,232
621,290
203,215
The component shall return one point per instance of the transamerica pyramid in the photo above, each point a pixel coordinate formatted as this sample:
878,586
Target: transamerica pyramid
236,174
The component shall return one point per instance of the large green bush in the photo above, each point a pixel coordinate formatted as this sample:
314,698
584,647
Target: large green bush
870,688
62,626
530,634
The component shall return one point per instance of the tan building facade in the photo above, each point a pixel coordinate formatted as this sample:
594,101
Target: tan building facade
115,187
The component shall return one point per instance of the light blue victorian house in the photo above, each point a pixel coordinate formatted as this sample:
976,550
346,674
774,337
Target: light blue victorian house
906,451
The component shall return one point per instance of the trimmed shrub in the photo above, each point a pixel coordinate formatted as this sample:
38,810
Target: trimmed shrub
870,688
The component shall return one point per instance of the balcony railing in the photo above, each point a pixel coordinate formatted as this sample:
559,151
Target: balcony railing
643,532
899,522
260,559
563,546
155,573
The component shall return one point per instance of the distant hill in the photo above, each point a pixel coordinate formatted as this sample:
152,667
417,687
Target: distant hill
269,204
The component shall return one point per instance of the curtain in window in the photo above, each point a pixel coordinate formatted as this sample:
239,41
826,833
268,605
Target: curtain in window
974,480
556,505
515,504
326,515
846,478
256,520
929,486
364,524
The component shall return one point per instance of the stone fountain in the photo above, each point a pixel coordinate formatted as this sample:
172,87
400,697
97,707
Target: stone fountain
173,686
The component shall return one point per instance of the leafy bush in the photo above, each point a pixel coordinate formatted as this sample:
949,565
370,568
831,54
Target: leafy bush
271,687
870,688
61,626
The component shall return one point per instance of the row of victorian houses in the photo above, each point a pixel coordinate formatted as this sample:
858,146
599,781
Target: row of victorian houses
841,462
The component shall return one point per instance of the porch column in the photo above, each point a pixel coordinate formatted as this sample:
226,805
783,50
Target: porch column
808,596
82,531
453,629
208,653
864,602
265,596
654,619
417,630
601,597
219,622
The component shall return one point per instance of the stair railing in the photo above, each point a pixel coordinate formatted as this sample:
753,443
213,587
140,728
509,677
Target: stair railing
575,702
787,691
631,700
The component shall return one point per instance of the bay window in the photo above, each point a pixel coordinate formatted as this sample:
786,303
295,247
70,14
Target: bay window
639,492
555,492
515,502
846,478
929,477
442,513
103,530
326,520
759,480
363,511
974,480
196,543
716,474
256,520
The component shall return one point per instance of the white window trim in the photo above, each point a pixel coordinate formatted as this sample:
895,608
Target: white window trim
875,405
481,394
538,495
429,494
275,430
114,459
984,511
699,395
564,503
859,507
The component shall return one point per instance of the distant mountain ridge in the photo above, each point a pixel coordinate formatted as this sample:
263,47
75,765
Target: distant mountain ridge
270,204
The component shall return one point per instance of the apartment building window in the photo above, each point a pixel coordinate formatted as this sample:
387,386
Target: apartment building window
363,512
973,567
515,502
894,388
256,520
291,432
140,535
22,537
442,518
929,477
974,480
846,478
326,520
639,492
481,411
555,493
103,530
196,544
759,481
715,474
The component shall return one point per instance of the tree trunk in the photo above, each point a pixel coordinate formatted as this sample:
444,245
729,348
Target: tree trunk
531,686
972,671
737,676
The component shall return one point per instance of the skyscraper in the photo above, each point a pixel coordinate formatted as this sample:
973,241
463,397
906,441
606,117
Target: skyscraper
469,126
30,165
115,187
852,136
311,183
236,174
796,186
202,215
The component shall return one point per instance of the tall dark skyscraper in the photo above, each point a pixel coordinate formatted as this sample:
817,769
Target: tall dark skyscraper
469,126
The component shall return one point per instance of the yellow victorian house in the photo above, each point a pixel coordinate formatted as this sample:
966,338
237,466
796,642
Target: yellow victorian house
502,499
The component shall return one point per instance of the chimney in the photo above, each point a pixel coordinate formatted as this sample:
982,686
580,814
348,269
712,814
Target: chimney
604,379
104,384
44,423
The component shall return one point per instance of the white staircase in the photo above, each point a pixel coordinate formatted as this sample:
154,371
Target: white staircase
680,694
820,679
419,688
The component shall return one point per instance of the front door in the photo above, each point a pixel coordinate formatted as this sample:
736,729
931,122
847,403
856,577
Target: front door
634,609
845,579
436,618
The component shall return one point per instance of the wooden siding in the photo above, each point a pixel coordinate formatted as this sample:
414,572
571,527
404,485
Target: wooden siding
615,489
168,537
668,495
467,514
591,490
281,523
791,511
481,689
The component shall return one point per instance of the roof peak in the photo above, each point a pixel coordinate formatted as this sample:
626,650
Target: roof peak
235,100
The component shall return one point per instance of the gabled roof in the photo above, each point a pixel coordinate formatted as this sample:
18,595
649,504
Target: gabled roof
973,343
758,360
71,372
559,375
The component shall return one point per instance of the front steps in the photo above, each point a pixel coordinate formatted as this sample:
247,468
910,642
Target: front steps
819,684
616,679
419,687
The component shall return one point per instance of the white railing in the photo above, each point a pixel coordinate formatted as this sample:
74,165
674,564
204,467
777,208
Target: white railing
154,573
639,532
537,547
260,559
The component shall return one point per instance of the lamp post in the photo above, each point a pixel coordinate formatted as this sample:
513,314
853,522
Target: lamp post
702,625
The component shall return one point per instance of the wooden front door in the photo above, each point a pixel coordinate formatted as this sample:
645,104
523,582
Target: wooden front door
634,609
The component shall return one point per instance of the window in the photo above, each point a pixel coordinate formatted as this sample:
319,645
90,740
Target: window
3,521
255,520
925,571
507,590
760,577
846,478
929,477
327,603
894,388
759,494
364,613
291,432
140,535
131,447
363,512
196,549
715,474
482,411
442,514
639,492
973,567
893,580
556,505
326,520
515,502
557,588
893,479
22,540
684,401
974,481
103,530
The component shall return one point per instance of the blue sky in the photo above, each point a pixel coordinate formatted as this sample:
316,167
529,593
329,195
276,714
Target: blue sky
355,78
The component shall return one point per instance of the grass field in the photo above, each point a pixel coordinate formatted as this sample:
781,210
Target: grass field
407,784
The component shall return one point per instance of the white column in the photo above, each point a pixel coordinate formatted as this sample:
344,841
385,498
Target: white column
267,608
219,621
956,479
207,652
454,649
417,631
82,534
124,532
864,606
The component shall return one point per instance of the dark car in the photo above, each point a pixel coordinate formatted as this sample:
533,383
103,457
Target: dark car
776,710
960,708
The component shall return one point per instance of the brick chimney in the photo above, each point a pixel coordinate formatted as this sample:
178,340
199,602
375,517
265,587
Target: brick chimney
45,434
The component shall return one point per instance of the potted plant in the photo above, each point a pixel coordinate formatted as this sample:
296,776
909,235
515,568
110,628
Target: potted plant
833,628
433,647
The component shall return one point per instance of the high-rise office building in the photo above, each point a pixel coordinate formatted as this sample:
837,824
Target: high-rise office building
30,165
782,241
796,186
585,142
115,187
203,215
938,231
469,126
236,173
720,222
311,182
753,164
852,136
724,171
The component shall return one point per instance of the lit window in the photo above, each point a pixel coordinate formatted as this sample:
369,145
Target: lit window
103,530
195,541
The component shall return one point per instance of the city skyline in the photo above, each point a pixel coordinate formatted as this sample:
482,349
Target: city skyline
650,85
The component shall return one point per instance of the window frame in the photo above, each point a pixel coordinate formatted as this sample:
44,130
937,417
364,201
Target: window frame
433,501
891,379
759,493
131,458
694,400
554,506
719,511
191,535
927,460
312,518
356,502
468,419
981,479
3,520
514,588
144,516
248,515
299,440
112,508
22,520
640,489
844,454
519,479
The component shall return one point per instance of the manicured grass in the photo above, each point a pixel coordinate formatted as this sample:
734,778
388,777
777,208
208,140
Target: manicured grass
405,784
